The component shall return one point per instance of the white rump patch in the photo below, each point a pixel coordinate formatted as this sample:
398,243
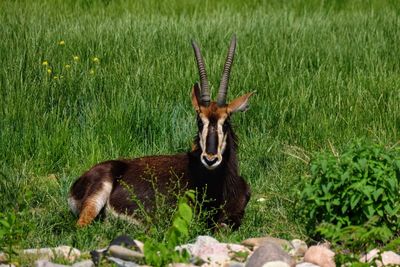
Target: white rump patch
100,198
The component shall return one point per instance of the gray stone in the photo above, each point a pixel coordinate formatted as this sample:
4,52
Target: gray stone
306,264
320,255
46,263
125,253
269,252
259,241
86,263
122,263
7,265
390,258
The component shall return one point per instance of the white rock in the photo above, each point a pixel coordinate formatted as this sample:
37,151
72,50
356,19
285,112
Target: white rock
390,258
320,255
276,264
256,242
181,265
306,264
64,252
67,253
46,263
140,245
3,257
299,248
370,256
211,251
7,265
234,264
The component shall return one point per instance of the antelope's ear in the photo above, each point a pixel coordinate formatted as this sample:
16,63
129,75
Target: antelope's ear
196,97
240,104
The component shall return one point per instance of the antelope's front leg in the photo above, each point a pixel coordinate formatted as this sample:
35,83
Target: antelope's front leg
236,208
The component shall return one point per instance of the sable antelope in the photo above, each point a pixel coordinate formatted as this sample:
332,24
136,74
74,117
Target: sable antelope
211,167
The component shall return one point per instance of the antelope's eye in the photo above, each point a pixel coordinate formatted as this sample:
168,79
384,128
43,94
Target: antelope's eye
225,126
200,123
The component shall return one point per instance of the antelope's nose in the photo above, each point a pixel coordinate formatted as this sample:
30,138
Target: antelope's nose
210,159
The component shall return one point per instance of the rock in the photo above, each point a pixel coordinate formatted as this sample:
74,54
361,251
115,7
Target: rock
46,263
320,255
306,264
210,251
140,245
7,265
181,265
122,263
373,254
86,263
65,252
299,248
390,258
276,264
233,264
259,241
3,257
269,252
124,253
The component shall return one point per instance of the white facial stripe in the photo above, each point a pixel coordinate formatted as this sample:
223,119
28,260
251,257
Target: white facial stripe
203,135
221,137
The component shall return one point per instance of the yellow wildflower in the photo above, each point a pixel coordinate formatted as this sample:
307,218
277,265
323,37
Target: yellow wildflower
45,63
91,71
61,42
67,66
96,60
76,58
55,77
49,71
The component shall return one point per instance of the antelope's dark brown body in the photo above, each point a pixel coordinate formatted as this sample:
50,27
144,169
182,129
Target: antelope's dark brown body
223,186
211,168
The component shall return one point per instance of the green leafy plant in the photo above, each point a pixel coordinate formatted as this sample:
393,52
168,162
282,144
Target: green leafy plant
354,196
161,253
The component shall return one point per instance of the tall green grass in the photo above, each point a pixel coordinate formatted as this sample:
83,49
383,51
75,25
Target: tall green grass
325,72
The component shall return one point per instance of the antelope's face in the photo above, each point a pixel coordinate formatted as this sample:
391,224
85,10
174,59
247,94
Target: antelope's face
213,118
214,127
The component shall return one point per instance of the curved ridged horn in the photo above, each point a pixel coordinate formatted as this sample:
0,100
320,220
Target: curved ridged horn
223,86
205,91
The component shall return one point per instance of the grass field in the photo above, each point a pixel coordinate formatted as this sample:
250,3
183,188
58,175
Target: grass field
325,72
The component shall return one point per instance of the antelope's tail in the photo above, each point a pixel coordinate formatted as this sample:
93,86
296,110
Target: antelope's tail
88,196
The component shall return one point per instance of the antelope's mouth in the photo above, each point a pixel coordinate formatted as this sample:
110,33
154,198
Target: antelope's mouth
211,162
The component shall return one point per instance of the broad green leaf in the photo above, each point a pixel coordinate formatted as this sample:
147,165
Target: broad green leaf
181,226
185,212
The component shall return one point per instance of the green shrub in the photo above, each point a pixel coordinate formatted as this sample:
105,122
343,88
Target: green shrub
161,253
359,188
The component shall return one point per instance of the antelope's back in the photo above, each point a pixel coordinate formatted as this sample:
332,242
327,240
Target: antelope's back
126,184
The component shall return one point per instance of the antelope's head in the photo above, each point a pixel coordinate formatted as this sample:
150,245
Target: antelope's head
213,117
